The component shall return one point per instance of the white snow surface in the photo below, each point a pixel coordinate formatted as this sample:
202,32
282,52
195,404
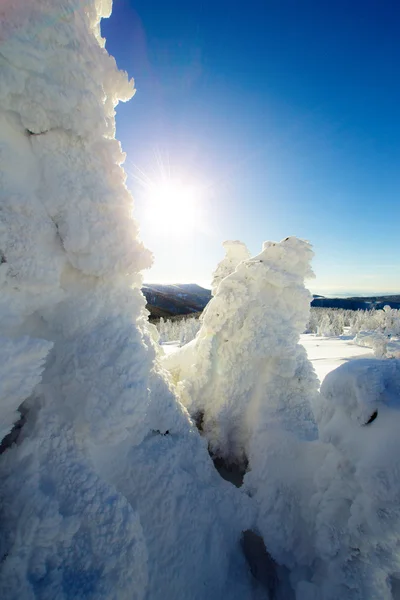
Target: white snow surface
326,354
351,481
109,491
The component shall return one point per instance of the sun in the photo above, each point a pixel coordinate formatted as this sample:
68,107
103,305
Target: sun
172,206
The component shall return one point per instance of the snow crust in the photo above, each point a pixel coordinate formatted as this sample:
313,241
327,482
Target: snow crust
107,457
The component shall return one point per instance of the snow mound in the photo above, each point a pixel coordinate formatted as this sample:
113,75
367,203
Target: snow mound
358,483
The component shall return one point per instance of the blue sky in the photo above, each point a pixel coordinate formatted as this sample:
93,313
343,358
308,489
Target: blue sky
285,114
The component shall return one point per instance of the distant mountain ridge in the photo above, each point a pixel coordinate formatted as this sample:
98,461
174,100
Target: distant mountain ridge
358,302
171,300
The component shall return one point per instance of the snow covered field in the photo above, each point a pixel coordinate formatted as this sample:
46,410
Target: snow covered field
326,354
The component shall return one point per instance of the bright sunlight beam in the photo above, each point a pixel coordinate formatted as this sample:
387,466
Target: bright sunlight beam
171,206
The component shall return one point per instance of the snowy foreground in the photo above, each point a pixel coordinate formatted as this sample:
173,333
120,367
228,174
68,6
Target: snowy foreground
326,354
223,470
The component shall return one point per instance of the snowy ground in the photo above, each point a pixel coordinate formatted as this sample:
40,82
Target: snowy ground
170,347
326,354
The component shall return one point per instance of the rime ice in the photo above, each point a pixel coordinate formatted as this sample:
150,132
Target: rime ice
109,491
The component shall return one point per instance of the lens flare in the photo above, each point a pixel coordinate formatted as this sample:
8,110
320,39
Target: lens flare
171,206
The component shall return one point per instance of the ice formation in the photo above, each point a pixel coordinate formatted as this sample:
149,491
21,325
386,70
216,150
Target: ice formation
235,252
108,491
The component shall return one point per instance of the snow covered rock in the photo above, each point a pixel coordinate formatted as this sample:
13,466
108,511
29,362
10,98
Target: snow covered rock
235,252
109,491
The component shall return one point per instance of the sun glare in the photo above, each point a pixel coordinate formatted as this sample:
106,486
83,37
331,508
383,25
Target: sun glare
172,206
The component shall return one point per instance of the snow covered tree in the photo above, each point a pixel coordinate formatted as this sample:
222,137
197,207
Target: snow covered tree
183,330
331,324
256,316
313,320
108,491
235,252
250,386
390,321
